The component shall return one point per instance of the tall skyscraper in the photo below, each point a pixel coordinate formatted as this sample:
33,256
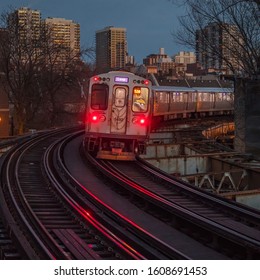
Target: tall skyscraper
28,26
65,33
215,45
25,23
111,48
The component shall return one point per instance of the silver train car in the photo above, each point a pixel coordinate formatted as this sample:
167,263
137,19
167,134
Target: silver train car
118,115
122,107
183,102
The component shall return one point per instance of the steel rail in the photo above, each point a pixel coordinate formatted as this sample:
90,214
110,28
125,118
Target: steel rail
195,218
251,213
115,215
29,219
81,209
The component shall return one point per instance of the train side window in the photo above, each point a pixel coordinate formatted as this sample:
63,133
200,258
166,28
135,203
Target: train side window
120,97
140,99
99,97
178,96
219,96
200,96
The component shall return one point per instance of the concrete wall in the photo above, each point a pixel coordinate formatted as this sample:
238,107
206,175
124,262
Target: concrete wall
252,128
176,159
250,198
247,117
180,160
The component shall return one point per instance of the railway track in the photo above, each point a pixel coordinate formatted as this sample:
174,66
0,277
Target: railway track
139,238
51,220
8,249
49,214
217,223
43,224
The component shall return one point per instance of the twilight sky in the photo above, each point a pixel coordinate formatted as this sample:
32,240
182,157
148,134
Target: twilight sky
149,23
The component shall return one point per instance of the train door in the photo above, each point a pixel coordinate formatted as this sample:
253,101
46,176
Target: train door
119,110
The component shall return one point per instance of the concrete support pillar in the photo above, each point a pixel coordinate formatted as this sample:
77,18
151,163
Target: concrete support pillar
247,117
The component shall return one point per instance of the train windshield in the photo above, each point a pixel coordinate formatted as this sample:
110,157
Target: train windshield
99,97
140,99
120,97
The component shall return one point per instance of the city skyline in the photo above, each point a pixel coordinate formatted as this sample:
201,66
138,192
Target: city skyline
144,21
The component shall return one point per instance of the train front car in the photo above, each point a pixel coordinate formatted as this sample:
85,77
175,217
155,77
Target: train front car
118,115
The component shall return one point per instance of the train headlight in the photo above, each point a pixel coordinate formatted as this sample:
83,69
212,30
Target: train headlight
100,79
141,120
95,118
144,82
96,79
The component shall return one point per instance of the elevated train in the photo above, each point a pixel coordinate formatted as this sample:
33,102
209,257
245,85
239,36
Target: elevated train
184,102
119,110
122,106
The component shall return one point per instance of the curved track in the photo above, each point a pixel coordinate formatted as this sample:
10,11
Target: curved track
55,221
62,207
224,225
50,225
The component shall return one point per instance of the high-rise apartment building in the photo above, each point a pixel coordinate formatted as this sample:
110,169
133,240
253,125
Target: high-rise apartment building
27,23
65,33
215,45
111,48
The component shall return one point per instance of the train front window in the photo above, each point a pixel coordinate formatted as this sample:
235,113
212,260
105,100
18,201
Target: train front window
140,99
99,97
120,97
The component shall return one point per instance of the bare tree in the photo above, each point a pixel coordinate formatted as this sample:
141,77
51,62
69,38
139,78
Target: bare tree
19,61
242,16
62,69
35,70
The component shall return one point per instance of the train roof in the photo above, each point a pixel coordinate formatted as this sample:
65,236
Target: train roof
195,82
172,88
214,89
193,89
